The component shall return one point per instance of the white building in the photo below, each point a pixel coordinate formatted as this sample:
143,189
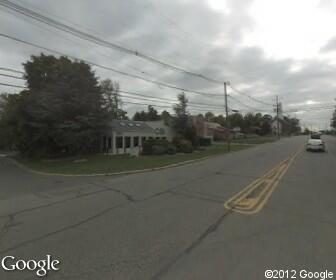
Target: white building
162,129
127,137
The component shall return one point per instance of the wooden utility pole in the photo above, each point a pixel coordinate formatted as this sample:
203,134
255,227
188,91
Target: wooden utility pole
277,114
227,116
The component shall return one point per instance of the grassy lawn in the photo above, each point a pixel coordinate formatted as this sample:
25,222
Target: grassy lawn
255,140
108,164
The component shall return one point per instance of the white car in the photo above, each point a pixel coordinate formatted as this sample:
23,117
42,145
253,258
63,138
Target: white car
315,143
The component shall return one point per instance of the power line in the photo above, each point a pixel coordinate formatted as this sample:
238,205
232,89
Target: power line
311,109
247,106
249,96
195,108
146,96
11,70
146,104
10,85
124,96
169,99
11,76
86,36
172,103
160,106
50,30
89,37
142,95
193,104
109,68
167,102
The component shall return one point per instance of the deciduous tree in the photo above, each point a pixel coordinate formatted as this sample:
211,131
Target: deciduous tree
62,112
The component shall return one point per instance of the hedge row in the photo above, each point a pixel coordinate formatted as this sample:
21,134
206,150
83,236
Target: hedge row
160,147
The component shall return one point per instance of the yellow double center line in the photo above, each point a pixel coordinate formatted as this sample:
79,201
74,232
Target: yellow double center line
253,197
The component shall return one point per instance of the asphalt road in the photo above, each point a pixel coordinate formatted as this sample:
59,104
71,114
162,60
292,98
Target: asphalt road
172,224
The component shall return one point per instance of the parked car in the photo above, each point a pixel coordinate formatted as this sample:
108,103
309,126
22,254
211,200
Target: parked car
315,143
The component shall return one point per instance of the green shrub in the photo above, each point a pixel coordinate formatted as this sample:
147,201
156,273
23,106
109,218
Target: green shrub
171,149
148,145
185,146
162,142
158,150
176,141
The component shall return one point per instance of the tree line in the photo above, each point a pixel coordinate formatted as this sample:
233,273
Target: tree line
249,123
333,120
65,108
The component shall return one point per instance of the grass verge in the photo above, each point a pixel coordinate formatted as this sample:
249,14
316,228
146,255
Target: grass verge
101,164
256,140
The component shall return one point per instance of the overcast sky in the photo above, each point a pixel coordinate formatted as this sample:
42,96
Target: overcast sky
263,47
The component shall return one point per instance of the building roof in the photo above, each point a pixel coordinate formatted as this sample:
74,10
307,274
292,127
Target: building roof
131,126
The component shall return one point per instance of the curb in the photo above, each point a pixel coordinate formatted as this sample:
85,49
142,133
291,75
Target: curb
20,165
110,174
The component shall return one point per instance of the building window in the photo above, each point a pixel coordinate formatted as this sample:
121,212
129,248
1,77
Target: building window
150,137
109,143
164,138
143,140
157,137
127,142
136,141
119,142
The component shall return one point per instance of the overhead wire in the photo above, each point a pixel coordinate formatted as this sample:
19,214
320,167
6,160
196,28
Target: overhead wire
245,105
92,38
249,96
11,76
11,85
200,108
171,102
50,30
110,68
169,99
69,29
89,37
39,17
11,70
205,107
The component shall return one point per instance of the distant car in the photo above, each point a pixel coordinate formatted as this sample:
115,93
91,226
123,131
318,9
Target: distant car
315,143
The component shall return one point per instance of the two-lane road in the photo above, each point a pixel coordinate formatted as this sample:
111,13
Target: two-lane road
229,217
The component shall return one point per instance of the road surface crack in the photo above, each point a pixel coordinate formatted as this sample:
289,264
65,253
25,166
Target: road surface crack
211,229
107,210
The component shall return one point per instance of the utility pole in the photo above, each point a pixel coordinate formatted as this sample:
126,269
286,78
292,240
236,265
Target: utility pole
227,115
277,113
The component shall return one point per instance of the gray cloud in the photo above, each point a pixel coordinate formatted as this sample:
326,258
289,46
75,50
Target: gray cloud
329,46
183,32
